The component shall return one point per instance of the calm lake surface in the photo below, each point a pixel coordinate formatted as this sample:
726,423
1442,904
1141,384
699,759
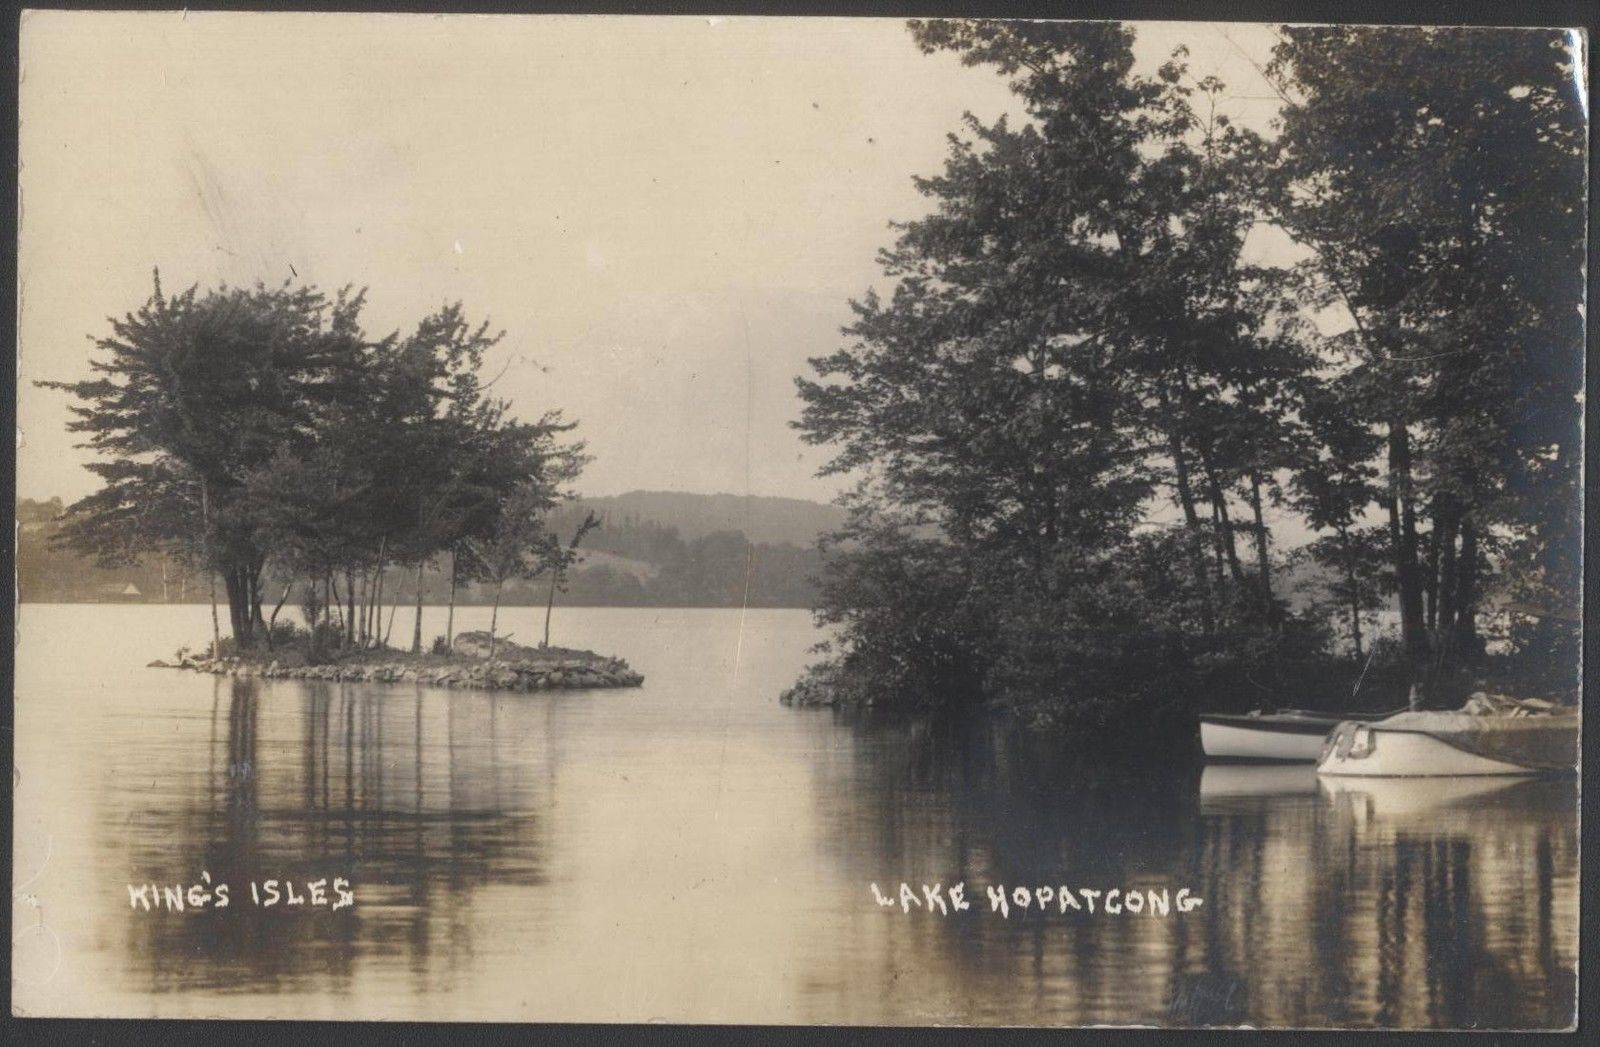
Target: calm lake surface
693,851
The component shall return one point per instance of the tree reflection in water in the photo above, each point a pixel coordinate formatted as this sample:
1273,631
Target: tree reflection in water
1368,904
1400,903
401,791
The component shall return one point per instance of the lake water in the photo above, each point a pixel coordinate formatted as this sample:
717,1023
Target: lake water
693,851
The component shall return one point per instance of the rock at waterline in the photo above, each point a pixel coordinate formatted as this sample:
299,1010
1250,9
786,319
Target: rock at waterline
514,667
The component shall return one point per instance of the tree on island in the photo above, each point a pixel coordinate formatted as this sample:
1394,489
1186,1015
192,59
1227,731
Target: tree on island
255,431
559,560
195,392
517,546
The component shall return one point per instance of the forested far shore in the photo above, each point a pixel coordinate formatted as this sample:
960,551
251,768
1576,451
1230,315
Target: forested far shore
628,561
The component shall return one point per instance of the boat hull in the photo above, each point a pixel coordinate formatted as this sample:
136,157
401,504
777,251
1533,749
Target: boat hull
1377,753
1263,740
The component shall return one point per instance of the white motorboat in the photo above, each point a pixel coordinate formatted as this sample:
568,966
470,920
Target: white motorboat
1436,744
1287,736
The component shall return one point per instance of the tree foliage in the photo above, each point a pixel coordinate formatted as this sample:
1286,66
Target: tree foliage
1437,175
261,431
1075,334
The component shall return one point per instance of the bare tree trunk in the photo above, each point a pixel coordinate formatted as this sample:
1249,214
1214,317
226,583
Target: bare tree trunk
1218,557
1430,579
371,617
350,597
1403,524
369,589
549,607
1445,522
236,619
241,592
255,596
377,595
1230,549
494,617
1191,520
211,570
394,605
1467,640
375,611
1262,551
1219,509
274,619
416,626
216,627
250,613
450,616
316,615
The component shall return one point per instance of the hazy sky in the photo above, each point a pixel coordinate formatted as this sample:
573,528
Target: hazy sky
667,215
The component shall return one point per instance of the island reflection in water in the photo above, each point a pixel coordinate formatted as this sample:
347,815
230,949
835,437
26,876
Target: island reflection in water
695,852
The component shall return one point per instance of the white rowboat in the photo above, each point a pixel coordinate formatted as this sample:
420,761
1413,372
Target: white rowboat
1290,736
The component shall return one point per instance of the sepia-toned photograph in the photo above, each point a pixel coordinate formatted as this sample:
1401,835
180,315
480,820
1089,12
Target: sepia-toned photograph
798,521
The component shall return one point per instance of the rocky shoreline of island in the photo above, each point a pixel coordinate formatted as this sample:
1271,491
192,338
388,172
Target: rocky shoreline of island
469,666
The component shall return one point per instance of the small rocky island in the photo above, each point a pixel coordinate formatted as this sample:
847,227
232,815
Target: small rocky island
513,667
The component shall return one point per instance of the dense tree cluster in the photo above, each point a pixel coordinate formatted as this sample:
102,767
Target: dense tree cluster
256,433
1076,335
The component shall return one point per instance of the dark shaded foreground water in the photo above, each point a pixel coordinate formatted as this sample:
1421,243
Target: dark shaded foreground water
692,851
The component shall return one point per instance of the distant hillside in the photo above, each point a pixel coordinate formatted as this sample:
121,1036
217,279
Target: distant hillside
655,549
668,549
775,521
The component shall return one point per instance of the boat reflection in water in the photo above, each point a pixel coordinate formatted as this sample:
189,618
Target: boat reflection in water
1444,902
1399,802
1224,782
